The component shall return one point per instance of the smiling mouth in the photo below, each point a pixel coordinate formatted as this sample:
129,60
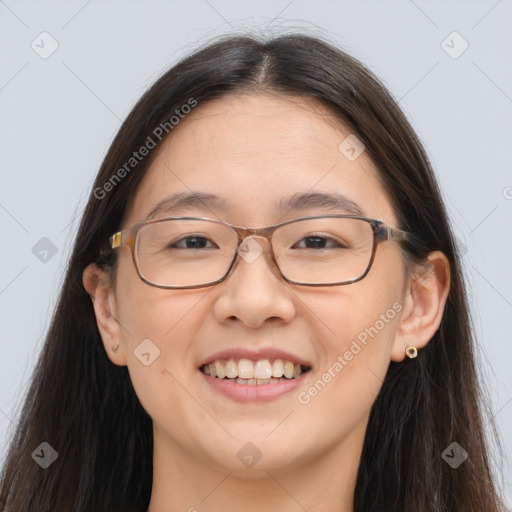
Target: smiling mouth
247,372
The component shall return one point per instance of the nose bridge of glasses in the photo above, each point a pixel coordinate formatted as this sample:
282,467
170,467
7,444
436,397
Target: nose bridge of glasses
263,234
253,243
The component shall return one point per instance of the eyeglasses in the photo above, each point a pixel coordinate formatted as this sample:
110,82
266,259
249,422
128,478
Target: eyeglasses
194,252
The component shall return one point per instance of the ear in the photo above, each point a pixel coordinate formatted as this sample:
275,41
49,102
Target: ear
103,297
424,304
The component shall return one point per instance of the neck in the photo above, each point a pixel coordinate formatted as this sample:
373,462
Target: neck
323,483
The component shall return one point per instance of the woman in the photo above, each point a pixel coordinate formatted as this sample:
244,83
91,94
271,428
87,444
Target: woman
264,308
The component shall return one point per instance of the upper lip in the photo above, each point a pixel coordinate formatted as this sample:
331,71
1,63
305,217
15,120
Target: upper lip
255,354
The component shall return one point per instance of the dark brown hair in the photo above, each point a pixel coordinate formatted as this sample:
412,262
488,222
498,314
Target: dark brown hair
86,408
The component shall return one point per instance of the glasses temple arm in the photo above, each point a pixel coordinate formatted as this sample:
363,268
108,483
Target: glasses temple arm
397,235
116,239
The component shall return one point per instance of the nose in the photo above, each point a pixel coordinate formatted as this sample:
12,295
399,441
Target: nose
255,292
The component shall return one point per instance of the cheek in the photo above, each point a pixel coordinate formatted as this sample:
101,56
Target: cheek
358,325
158,327
146,312
163,327
338,399
354,353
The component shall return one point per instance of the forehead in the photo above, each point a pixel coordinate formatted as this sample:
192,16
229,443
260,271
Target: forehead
252,151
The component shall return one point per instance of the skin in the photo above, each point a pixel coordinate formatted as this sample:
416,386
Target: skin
254,150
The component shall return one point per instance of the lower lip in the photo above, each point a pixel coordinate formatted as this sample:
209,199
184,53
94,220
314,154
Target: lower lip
253,393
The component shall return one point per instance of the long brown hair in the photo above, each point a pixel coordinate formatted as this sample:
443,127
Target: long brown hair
86,408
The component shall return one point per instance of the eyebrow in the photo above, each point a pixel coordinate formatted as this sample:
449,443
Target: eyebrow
181,201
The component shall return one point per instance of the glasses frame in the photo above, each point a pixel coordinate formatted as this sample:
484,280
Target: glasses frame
381,233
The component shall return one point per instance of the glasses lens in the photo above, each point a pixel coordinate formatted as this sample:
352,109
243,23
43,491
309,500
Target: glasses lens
324,250
181,252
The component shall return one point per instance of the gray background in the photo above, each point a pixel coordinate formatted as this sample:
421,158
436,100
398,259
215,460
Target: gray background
60,113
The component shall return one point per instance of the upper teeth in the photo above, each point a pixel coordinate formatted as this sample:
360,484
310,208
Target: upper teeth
247,369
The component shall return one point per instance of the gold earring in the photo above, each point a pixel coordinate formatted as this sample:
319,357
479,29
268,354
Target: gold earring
114,348
411,352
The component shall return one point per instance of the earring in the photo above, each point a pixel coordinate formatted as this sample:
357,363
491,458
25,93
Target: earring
115,347
411,352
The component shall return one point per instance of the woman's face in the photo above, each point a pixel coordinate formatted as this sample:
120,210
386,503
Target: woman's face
253,151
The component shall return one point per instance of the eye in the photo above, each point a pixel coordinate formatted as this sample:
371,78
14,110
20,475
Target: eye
191,242
320,242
